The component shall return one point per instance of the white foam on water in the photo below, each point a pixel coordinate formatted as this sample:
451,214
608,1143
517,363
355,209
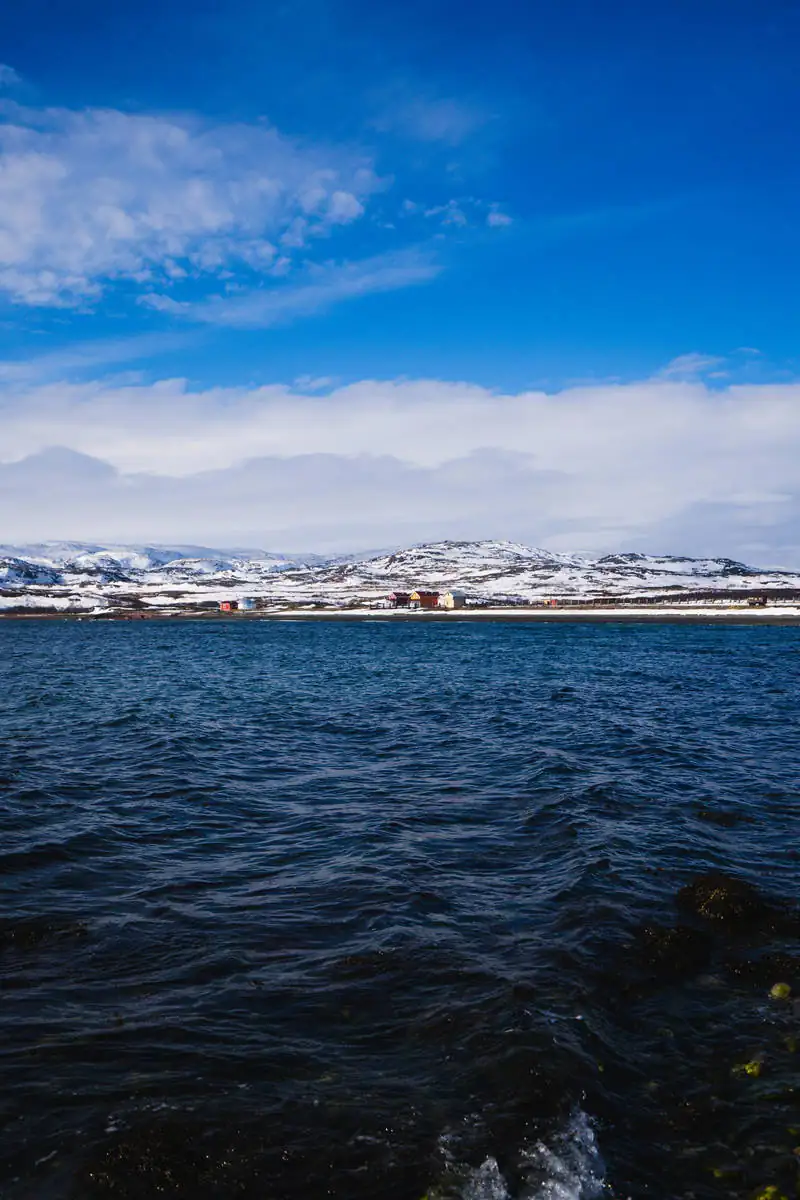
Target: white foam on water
568,1168
486,1183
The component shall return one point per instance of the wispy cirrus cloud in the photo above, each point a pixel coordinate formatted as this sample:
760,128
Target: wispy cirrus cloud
689,366
743,365
82,358
317,289
93,197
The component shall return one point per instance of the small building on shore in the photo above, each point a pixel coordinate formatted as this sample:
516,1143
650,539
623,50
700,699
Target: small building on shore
399,599
247,604
228,605
454,599
423,599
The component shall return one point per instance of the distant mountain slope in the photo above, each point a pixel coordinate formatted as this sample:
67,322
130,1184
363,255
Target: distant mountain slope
140,558
16,571
486,570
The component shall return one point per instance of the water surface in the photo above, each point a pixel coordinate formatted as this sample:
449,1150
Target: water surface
350,910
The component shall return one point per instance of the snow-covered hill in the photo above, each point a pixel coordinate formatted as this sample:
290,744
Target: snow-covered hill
492,569
73,554
16,571
76,557
485,570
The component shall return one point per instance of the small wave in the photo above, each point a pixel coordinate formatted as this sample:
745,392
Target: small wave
486,1183
568,1168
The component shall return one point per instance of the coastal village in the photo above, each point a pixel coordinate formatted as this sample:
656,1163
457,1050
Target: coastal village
413,601
422,600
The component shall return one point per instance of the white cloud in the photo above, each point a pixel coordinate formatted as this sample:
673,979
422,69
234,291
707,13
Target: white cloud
451,213
343,207
666,463
100,195
316,290
687,366
8,76
461,212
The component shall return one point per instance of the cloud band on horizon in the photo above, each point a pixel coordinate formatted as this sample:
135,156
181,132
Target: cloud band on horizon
588,468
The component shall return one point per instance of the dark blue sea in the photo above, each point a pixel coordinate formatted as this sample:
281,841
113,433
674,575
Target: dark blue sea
350,910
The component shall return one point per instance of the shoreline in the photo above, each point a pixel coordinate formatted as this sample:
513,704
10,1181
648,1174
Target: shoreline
642,615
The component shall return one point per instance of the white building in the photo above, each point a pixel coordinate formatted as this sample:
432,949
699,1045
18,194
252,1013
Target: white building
453,599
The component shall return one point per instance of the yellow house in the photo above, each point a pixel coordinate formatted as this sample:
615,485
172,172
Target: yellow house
452,600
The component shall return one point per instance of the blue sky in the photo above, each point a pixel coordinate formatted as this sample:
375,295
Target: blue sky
518,198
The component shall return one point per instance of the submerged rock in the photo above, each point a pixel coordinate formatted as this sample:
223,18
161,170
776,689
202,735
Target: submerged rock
765,969
732,902
718,897
169,1159
264,1159
672,953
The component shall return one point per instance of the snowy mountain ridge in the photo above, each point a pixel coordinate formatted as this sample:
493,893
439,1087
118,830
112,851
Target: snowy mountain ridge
137,557
76,575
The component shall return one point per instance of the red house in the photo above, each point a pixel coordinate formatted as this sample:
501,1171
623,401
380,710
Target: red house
228,605
422,599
